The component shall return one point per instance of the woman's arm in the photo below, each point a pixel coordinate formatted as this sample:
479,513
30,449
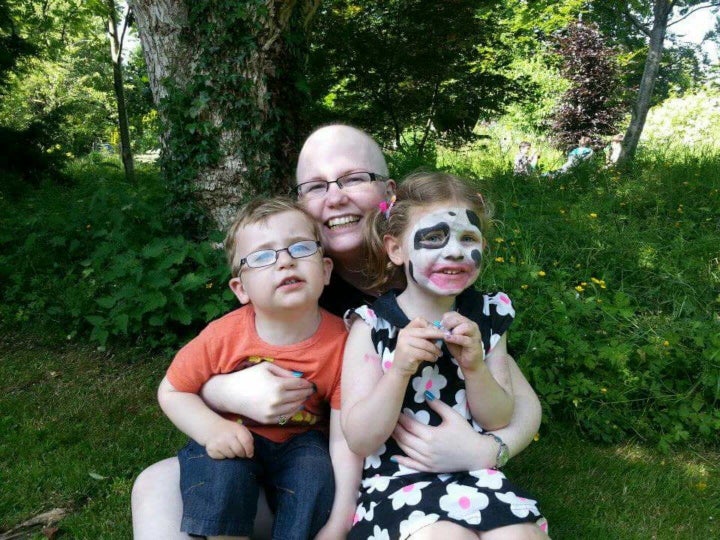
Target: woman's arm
455,446
347,468
263,392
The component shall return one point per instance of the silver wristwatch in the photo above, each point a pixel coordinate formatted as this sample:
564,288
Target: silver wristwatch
503,453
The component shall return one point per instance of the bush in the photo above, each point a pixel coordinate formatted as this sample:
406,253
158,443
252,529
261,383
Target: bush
615,278
98,257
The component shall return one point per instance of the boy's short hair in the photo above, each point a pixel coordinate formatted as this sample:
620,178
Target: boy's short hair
257,211
524,144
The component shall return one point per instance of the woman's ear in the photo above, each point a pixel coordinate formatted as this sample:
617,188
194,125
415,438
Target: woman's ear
389,188
238,289
394,249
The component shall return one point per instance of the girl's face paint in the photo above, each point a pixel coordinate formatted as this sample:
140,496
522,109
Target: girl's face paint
445,250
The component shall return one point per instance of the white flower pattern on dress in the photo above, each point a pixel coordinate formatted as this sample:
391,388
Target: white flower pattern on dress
421,416
379,534
464,502
488,478
519,506
429,380
416,521
373,461
461,404
376,483
361,513
408,495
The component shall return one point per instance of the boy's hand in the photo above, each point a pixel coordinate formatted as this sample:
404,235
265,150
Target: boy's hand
415,345
228,439
463,340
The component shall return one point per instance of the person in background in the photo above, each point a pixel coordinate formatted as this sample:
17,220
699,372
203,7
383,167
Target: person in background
613,149
349,177
525,162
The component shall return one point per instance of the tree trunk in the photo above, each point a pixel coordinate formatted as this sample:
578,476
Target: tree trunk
661,15
246,120
116,57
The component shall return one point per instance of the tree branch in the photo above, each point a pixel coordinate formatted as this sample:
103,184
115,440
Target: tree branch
698,8
637,23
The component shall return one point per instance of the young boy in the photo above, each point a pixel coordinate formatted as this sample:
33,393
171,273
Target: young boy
279,271
525,163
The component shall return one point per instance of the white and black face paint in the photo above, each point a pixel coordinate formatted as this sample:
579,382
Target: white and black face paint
445,250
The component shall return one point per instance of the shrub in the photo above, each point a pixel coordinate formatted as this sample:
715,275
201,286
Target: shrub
99,256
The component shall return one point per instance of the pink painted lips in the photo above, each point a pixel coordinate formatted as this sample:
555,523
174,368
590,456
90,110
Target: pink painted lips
452,277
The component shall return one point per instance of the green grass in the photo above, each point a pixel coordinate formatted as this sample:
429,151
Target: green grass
69,411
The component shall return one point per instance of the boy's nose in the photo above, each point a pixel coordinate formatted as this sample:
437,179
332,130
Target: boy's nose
284,259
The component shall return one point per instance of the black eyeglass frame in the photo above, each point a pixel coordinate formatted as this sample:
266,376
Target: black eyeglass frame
374,177
243,261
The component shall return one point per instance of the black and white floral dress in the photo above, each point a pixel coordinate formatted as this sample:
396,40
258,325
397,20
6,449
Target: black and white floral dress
396,501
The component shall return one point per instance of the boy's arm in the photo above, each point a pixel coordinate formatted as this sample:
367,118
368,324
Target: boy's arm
347,468
221,438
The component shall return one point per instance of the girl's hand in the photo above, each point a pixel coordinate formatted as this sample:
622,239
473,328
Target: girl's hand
263,392
452,446
463,340
415,345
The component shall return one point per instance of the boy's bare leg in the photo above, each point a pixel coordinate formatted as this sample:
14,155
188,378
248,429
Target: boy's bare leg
157,505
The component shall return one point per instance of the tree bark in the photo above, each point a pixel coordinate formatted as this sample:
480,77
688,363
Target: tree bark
245,151
661,15
116,57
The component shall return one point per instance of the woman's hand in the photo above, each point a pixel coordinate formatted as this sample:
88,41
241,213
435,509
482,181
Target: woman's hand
452,446
263,393
415,345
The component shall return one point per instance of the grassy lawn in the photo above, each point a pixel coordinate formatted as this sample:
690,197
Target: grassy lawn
79,425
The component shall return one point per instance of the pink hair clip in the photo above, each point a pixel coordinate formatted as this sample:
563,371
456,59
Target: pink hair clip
386,206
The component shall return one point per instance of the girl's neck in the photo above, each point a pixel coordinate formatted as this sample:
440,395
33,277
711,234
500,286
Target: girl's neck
417,303
287,327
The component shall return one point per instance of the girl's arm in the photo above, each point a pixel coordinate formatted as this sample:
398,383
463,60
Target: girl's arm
488,386
221,438
371,400
347,468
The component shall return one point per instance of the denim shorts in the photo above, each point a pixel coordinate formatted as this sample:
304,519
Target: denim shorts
220,495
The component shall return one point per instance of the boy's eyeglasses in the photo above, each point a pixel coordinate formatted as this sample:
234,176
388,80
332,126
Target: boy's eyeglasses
316,189
267,257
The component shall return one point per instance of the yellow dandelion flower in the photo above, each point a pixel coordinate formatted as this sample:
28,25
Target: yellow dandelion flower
603,390
602,286
583,283
536,438
209,285
499,240
666,343
595,280
524,287
542,273
593,215
499,259
579,288
562,210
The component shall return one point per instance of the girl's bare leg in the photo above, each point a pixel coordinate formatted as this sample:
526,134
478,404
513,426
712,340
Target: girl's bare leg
157,505
442,530
521,531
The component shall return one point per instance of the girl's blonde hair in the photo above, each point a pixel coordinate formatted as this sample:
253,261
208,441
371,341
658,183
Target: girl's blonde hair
418,190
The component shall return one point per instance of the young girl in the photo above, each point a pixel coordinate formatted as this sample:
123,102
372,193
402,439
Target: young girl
437,339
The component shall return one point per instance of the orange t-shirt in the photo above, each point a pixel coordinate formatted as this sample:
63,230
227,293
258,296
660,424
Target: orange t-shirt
231,343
